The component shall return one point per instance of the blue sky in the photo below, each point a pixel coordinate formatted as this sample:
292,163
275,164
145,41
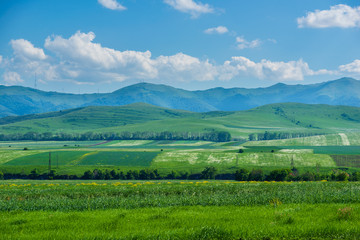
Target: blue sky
102,45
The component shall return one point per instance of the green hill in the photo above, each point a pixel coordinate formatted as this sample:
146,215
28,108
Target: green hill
141,117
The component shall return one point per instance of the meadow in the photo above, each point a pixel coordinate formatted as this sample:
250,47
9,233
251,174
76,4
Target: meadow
179,210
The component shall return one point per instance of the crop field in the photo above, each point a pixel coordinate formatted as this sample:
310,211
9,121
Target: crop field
191,156
179,210
341,139
78,157
280,159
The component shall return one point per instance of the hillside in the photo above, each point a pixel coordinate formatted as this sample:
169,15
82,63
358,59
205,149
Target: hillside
141,117
16,100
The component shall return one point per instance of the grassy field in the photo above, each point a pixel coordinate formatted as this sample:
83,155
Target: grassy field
179,210
284,117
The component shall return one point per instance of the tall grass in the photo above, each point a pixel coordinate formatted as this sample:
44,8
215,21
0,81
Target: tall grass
94,196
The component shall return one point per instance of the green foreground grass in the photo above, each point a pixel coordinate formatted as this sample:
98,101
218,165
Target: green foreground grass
179,210
288,221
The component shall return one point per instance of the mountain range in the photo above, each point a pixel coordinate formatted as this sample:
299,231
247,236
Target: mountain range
17,100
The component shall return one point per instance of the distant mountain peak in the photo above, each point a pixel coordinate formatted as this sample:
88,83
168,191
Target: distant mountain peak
19,100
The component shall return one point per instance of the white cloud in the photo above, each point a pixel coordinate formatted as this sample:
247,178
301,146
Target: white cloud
1,58
218,30
12,78
242,43
80,51
112,4
24,48
195,9
78,59
353,67
266,69
183,67
342,16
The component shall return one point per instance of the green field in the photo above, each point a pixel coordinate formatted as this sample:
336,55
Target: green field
178,210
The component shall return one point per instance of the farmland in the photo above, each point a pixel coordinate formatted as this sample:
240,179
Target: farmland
192,156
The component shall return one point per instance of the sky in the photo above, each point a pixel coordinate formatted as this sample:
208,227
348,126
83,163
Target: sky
87,46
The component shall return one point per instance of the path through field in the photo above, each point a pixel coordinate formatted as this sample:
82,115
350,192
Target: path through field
344,139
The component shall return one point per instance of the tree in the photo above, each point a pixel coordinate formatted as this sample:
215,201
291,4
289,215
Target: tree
172,175
1,175
52,174
241,174
130,175
256,175
342,176
34,174
144,175
279,175
107,175
208,173
88,175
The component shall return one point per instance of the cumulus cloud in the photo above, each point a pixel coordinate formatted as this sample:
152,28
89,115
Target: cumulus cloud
216,30
195,9
80,51
342,16
12,78
183,67
24,48
78,59
242,43
112,4
353,67
266,69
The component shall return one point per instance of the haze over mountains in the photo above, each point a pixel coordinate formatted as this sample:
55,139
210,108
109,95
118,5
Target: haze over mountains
16,100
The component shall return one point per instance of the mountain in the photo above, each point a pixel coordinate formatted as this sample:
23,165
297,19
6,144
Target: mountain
17,100
142,117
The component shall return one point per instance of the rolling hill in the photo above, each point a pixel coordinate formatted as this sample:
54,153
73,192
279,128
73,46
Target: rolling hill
15,100
142,117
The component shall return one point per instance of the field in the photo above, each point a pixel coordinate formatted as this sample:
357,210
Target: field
341,139
191,156
178,210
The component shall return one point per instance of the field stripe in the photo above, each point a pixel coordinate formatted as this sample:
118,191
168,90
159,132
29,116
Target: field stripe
77,161
344,139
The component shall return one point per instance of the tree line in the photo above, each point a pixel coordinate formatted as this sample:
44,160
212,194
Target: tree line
214,136
279,135
210,172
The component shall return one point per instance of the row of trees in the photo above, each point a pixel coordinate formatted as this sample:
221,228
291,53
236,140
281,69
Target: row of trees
241,174
294,175
279,135
214,136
